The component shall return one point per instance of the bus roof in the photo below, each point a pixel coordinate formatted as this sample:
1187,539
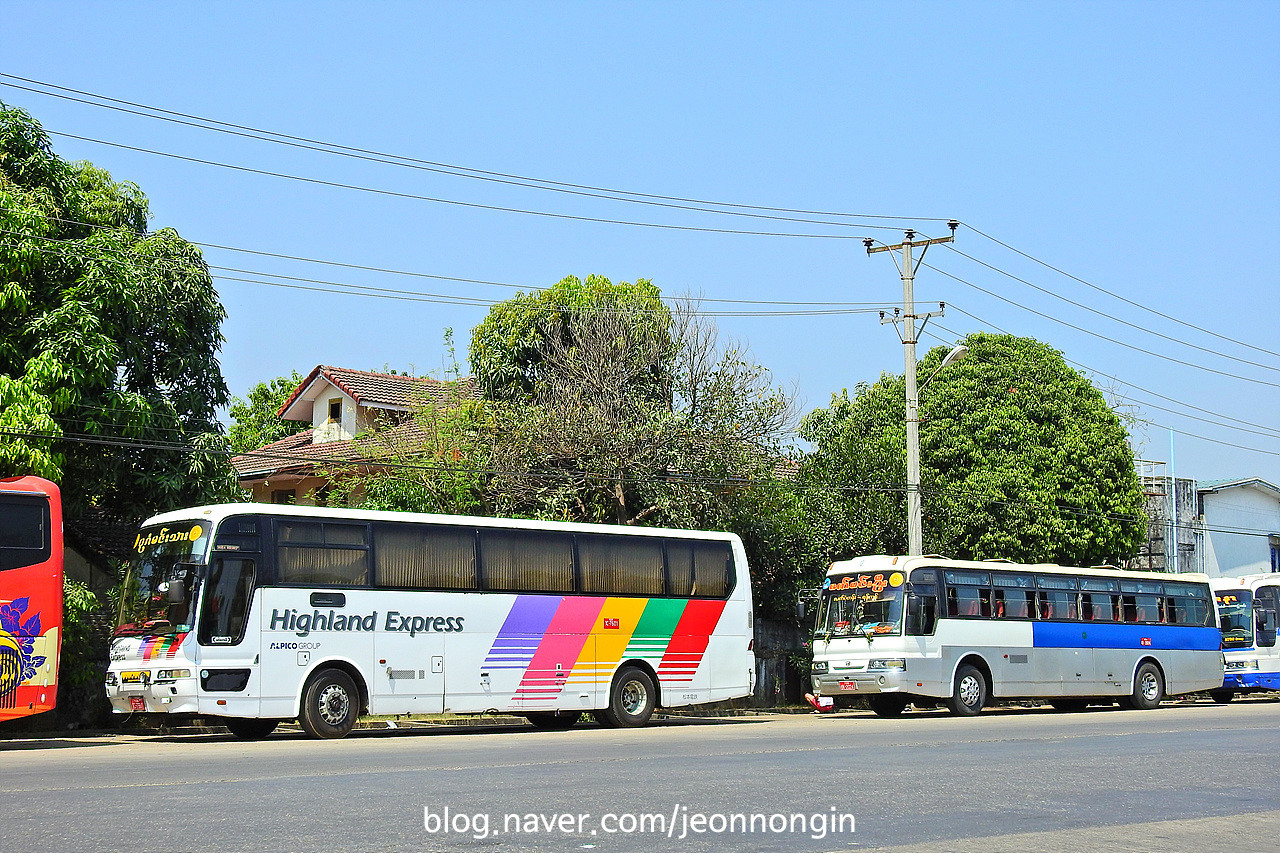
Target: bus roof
883,562
216,512
1246,581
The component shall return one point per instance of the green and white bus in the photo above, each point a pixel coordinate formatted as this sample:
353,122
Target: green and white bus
261,613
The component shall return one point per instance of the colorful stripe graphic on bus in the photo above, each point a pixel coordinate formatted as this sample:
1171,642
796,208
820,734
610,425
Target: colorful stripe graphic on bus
581,640
157,647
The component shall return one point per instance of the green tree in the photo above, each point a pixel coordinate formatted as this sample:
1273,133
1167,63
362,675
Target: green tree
110,333
1021,458
255,421
510,347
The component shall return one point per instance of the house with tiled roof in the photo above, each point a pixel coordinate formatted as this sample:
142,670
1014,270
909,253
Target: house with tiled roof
342,406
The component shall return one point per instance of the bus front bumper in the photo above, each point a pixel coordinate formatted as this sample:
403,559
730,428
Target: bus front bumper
177,696
1245,680
858,683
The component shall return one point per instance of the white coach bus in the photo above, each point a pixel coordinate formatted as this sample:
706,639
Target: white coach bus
1247,615
261,613
904,630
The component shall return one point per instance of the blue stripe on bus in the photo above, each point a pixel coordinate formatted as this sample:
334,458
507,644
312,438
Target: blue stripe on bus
1100,635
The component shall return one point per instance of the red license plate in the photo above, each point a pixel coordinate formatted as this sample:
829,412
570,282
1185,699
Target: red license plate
137,703
848,685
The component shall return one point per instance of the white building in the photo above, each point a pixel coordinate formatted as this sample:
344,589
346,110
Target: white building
1239,527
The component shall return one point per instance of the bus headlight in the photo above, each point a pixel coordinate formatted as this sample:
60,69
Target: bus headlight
112,681
172,674
887,663
819,667
1241,664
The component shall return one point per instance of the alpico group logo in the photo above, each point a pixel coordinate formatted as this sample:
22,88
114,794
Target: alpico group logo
17,644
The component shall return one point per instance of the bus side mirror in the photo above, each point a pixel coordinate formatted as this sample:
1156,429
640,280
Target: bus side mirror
1224,624
1266,623
177,592
802,610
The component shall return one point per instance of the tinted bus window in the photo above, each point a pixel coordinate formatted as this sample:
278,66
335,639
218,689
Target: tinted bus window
322,553
1014,596
699,569
425,557
620,565
229,589
526,560
24,530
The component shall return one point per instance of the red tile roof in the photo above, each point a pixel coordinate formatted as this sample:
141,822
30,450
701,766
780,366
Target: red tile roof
384,390
296,454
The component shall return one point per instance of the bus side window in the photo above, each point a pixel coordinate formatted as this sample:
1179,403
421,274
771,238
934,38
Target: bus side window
998,608
922,617
953,602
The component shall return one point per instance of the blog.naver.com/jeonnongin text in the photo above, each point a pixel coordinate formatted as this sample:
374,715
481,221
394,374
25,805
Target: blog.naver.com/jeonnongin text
677,823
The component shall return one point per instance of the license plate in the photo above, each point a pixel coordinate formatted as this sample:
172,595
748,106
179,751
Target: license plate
137,703
848,685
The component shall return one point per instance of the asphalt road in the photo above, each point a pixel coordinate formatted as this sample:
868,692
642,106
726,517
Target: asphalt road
1185,777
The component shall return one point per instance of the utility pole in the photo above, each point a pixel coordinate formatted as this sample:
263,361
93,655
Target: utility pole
908,267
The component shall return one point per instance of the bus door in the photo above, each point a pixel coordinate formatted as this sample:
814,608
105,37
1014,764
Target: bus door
409,672
228,649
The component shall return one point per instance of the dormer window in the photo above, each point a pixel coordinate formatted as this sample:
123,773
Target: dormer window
335,411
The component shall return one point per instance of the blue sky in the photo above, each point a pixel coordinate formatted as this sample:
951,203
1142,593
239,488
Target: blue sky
1131,146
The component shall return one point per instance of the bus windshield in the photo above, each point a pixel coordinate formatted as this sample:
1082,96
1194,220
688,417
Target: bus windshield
864,604
1236,618
160,585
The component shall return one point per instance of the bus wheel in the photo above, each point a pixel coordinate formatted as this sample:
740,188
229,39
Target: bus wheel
631,699
1222,697
889,704
247,728
969,693
330,705
1148,689
553,721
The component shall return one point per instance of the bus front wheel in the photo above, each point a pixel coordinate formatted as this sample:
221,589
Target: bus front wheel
631,699
247,728
330,705
969,692
1148,689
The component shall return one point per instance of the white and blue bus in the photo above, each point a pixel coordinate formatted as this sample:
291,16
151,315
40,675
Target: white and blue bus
923,630
256,613
1247,614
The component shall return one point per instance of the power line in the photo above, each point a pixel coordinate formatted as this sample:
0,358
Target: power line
457,203
352,289
1099,335
1180,432
1099,313
260,134
699,205
1117,296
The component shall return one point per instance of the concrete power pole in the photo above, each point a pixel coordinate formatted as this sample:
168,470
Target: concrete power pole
908,267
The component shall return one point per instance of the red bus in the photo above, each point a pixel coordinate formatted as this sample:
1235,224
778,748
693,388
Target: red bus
30,595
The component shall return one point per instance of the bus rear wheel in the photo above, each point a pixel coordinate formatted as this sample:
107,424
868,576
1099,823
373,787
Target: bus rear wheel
969,692
1148,689
247,728
330,705
632,698
1222,697
888,704
553,721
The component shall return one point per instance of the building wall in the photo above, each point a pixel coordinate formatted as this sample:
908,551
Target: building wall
342,430
1245,508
